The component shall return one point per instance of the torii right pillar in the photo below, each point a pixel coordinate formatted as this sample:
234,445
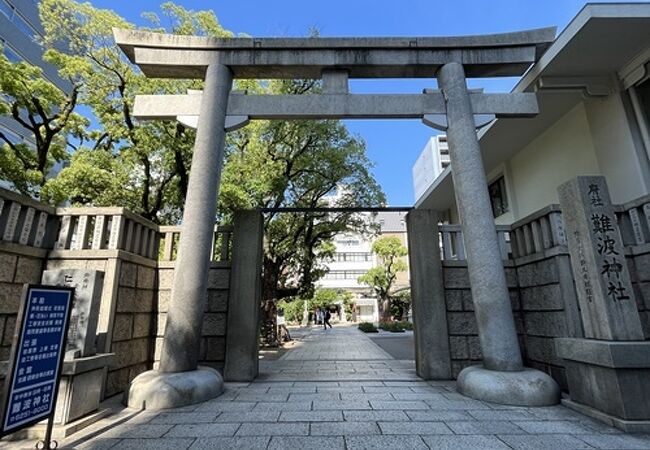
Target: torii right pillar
502,378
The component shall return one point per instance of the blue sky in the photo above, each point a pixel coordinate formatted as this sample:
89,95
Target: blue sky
393,145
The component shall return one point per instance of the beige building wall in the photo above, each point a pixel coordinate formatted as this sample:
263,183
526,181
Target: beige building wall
594,138
562,152
615,148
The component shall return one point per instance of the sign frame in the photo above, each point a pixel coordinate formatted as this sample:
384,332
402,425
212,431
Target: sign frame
15,348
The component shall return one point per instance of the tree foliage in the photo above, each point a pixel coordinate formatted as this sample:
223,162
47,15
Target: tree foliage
46,116
298,164
150,164
381,278
114,159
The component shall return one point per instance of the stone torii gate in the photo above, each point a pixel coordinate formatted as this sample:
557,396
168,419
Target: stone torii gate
453,108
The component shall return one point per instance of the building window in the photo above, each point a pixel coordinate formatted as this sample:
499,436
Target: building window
13,137
498,197
643,94
6,9
352,257
10,13
24,27
11,54
343,274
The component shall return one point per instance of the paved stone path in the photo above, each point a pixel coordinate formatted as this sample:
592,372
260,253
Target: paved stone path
338,354
301,412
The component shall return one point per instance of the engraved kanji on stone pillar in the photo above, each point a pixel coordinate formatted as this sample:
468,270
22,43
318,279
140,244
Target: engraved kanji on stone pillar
605,292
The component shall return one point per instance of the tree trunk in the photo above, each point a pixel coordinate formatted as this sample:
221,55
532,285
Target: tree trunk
269,289
384,310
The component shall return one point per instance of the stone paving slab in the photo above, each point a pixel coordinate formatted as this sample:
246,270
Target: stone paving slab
544,442
311,416
204,430
241,443
306,443
481,442
290,411
385,442
344,428
414,428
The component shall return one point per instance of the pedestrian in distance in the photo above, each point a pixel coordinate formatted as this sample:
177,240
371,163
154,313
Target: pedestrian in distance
326,318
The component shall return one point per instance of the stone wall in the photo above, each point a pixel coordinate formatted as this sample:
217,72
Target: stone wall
18,265
213,343
638,260
133,329
548,308
544,306
464,345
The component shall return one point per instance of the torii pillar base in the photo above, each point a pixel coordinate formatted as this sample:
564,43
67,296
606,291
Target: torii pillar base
527,387
154,390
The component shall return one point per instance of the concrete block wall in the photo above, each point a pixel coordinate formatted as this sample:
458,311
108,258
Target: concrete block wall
213,343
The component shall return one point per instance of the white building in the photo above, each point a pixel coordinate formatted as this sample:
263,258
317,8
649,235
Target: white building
353,258
431,162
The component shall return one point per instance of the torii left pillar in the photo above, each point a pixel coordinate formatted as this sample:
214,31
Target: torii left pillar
179,381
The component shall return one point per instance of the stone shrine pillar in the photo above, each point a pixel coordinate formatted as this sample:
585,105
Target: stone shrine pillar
503,378
608,370
179,382
432,357
84,370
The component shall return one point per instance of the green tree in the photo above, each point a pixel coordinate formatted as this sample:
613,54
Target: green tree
381,278
155,156
46,115
298,164
400,303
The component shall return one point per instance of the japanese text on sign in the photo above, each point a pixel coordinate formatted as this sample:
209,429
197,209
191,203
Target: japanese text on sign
37,357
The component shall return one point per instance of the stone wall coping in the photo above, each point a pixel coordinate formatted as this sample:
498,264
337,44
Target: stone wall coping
637,202
635,250
107,211
213,265
536,215
24,250
540,256
448,263
102,254
26,201
179,228
87,364
109,254
612,354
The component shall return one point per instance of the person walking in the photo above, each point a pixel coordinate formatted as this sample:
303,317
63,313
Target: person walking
326,318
